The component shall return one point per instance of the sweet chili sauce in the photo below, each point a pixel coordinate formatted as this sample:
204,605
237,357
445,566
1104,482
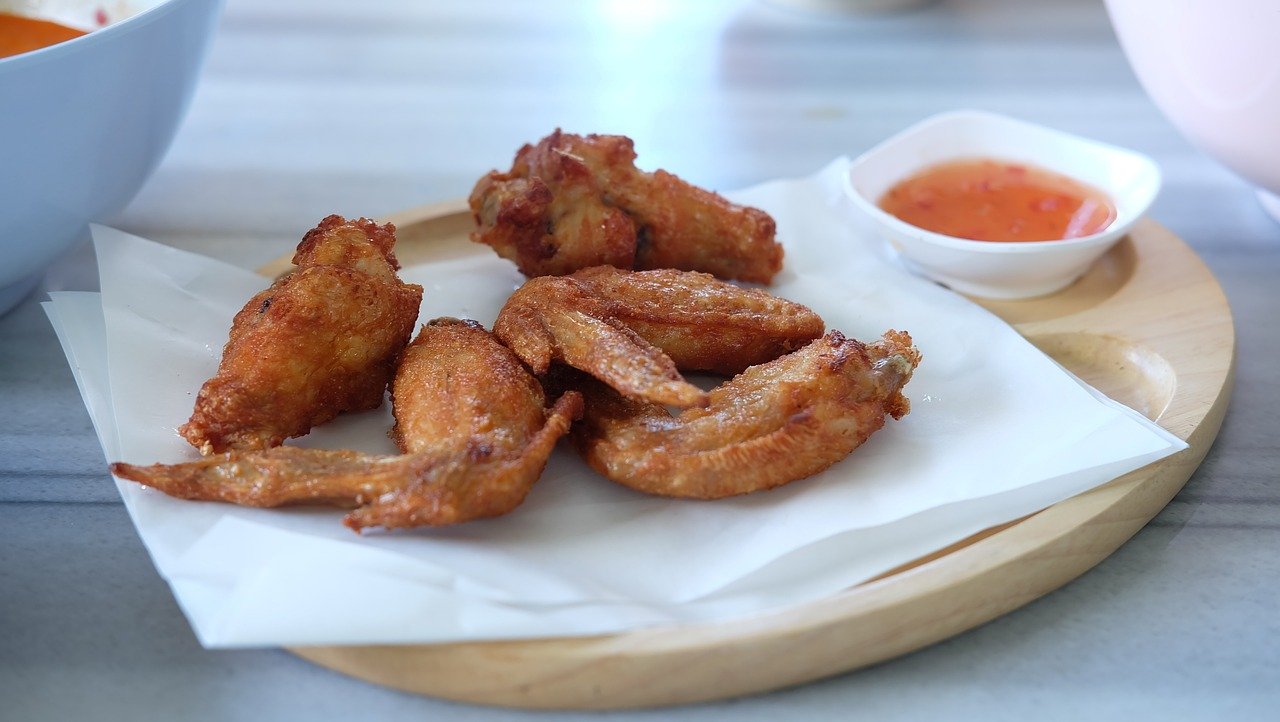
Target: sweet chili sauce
992,200
21,35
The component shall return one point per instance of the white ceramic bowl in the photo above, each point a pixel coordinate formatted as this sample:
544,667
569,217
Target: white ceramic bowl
992,269
1214,69
83,124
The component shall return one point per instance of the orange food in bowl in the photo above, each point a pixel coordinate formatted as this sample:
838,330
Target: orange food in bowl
22,35
991,200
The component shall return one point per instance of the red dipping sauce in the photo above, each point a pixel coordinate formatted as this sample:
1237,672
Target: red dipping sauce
993,200
20,34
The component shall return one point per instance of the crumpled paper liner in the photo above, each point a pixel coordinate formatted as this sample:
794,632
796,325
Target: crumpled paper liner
997,431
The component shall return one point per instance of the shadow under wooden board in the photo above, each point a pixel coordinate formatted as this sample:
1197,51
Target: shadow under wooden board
1148,325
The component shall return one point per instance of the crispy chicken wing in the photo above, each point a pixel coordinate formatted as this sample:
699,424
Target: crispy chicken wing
702,323
469,416
547,215
555,318
459,391
678,225
772,424
320,341
574,201
634,330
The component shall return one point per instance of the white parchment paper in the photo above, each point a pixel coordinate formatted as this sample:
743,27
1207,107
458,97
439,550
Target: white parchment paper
997,431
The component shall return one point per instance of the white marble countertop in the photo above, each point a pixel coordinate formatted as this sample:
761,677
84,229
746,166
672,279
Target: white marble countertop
309,107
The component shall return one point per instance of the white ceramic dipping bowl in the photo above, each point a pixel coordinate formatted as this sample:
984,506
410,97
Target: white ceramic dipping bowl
84,123
997,269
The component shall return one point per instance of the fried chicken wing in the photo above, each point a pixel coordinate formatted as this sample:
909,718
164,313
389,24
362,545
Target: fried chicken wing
702,323
563,204
679,225
556,318
320,341
772,424
427,488
465,489
547,215
469,415
461,392
635,330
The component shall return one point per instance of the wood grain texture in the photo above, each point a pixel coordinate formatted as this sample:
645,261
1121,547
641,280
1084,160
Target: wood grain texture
1148,324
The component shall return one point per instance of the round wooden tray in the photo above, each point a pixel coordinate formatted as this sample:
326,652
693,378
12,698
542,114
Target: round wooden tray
1148,325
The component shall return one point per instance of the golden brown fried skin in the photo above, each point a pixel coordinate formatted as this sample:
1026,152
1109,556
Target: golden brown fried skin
470,416
459,391
556,318
464,488
635,330
772,424
679,225
320,341
702,323
547,215
556,210
428,488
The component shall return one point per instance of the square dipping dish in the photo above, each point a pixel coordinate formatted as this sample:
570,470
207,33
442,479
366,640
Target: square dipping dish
996,269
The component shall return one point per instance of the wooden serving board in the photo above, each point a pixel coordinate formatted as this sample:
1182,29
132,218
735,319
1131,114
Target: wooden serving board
1148,325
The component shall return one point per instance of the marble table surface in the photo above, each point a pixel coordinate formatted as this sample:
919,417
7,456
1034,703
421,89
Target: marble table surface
309,107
